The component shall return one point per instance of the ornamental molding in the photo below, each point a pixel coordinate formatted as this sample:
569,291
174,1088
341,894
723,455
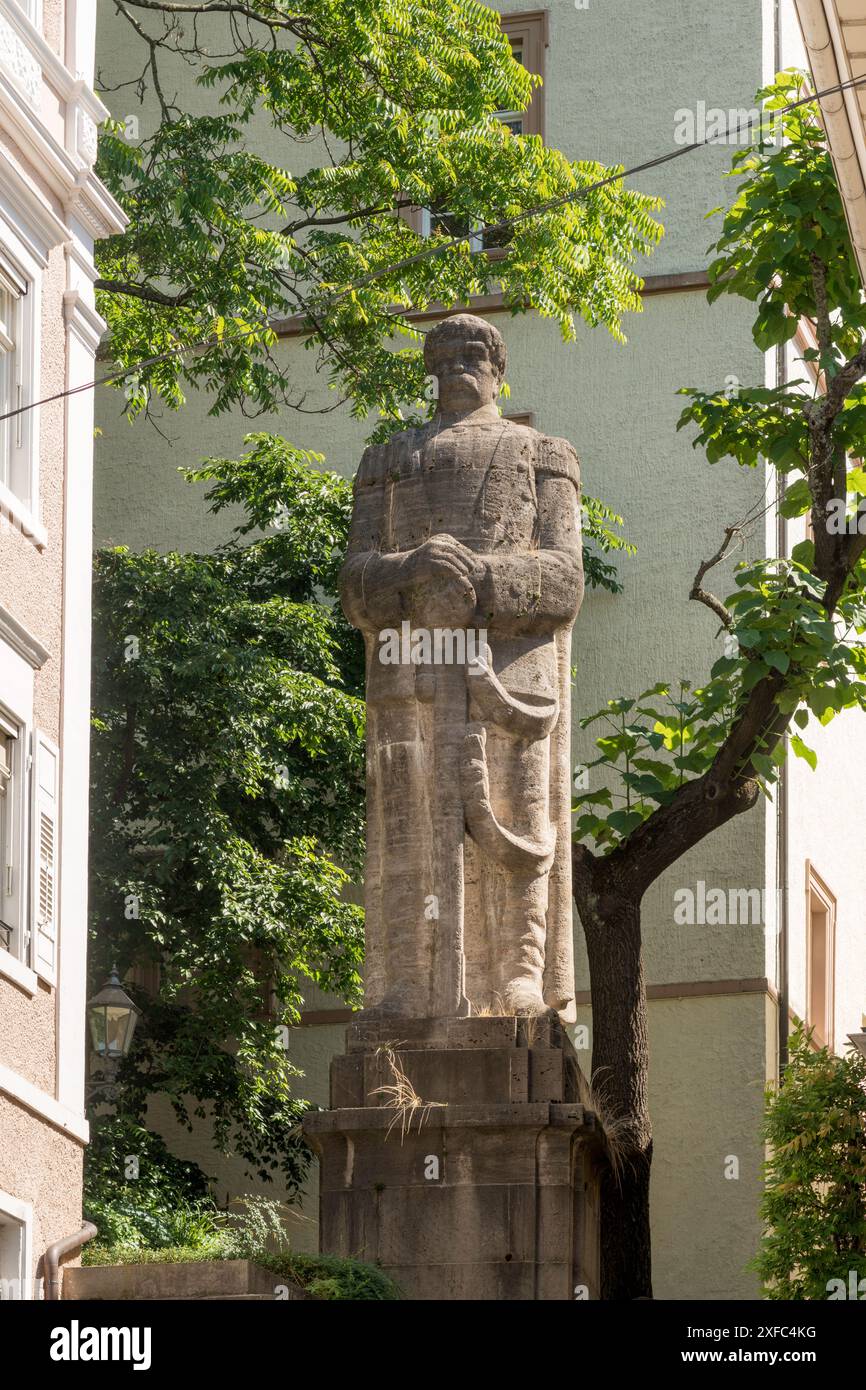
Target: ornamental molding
20,61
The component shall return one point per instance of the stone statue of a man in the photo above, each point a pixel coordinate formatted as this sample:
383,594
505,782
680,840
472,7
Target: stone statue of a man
464,574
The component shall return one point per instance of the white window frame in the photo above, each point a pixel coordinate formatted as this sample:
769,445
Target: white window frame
33,11
16,705
819,892
425,229
19,437
13,857
17,1214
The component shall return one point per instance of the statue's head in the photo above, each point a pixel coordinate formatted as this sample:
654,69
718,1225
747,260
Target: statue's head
467,356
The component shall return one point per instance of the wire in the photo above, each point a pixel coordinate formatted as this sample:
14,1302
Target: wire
442,246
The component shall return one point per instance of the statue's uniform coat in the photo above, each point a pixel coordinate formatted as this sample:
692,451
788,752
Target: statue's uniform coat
468,878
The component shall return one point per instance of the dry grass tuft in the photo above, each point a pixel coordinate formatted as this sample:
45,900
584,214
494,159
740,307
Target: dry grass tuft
615,1128
401,1095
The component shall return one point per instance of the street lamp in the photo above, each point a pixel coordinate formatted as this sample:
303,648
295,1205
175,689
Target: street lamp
112,1017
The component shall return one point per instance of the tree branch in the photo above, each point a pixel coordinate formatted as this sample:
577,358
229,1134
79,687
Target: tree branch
150,296
701,595
275,20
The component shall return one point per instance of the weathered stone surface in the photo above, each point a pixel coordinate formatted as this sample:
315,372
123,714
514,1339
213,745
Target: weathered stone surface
211,1279
464,574
489,1194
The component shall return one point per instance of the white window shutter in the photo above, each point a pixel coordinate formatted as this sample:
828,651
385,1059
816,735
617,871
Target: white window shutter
45,838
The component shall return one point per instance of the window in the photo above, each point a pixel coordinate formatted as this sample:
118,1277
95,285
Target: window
28,847
12,937
820,958
528,35
449,223
13,1270
520,417
16,378
16,1248
33,10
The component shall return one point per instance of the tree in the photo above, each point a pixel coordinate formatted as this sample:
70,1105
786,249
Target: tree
227,804
398,100
814,1204
227,737
681,762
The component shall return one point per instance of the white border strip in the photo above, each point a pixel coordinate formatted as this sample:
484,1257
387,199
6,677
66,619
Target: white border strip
43,1105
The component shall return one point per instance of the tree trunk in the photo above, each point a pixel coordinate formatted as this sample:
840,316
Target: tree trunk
620,1063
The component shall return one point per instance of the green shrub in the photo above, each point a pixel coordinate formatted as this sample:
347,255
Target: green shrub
327,1277
814,1204
166,1215
332,1277
164,1201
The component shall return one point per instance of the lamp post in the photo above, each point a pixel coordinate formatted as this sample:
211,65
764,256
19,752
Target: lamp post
112,1017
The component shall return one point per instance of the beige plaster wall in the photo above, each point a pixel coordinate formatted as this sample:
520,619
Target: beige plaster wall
42,1166
54,24
710,1059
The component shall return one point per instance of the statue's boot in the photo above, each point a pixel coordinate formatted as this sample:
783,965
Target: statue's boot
521,947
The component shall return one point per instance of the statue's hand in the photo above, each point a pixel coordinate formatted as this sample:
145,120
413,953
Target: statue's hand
441,557
439,572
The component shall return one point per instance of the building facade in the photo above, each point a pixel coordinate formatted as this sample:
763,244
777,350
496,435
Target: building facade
52,207
622,85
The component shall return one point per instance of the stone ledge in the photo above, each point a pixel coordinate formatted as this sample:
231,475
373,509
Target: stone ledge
484,1031
510,1115
196,1279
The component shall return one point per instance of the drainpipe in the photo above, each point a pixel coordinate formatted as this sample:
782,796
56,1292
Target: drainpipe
53,1255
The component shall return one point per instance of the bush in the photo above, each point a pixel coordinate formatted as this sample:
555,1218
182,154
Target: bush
327,1277
167,1215
814,1204
165,1201
333,1278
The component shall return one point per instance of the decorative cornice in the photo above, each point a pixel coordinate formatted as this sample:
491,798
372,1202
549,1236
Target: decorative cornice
42,56
28,66
37,225
99,212
16,636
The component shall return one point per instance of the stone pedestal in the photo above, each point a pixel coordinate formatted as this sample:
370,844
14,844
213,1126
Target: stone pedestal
458,1156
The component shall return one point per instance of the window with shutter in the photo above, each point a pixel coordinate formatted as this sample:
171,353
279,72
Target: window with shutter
46,784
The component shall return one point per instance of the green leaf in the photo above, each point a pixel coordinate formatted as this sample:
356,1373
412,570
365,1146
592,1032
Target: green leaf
804,752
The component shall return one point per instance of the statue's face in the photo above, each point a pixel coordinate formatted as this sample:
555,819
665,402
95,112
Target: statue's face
466,374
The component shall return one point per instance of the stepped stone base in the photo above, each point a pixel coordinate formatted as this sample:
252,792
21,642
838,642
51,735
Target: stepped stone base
482,1183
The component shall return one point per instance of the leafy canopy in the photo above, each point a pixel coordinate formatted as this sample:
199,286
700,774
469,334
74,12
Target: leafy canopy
227,801
793,626
288,196
814,1202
